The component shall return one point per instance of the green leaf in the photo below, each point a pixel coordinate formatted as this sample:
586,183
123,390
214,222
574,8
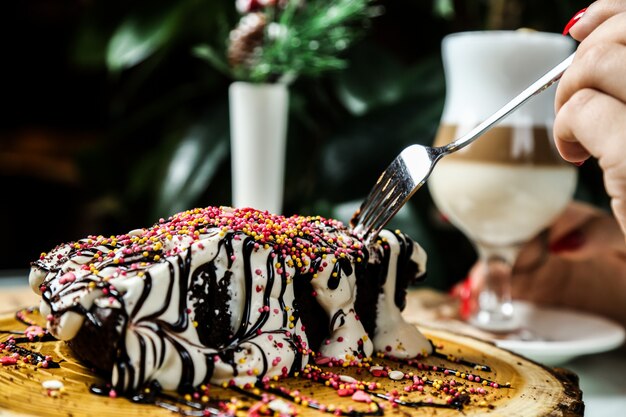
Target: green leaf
192,164
444,8
377,79
137,39
210,55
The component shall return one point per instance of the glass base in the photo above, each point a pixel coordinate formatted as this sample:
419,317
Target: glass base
493,321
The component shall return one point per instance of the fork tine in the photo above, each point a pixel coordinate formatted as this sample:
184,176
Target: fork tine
389,206
373,213
375,197
376,194
385,199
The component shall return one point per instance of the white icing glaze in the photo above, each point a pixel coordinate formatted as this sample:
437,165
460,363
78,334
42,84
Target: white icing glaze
394,335
268,335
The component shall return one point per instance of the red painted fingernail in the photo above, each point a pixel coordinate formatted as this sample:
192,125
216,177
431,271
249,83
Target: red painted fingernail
579,163
574,20
569,242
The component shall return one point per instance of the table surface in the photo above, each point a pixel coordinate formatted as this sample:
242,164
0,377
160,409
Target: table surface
601,375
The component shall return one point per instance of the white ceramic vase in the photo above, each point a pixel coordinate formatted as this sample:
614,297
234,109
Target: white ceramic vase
258,126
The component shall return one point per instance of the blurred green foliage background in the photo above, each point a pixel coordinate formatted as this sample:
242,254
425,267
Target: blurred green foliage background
111,122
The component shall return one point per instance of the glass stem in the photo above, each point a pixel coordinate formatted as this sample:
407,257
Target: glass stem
495,307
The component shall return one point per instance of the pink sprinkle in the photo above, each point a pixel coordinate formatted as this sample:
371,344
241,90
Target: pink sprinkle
112,394
258,271
322,360
362,397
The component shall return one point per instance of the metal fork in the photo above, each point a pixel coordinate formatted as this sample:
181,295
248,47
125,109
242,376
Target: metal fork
408,172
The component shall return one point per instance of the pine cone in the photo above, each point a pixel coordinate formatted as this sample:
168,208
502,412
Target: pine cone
246,40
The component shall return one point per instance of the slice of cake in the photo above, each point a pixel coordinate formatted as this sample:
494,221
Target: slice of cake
226,295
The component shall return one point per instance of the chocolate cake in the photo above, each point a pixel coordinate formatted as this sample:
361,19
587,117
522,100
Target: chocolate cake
228,296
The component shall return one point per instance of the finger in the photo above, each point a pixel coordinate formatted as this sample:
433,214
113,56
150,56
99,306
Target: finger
581,232
596,14
597,285
597,236
591,122
573,217
600,66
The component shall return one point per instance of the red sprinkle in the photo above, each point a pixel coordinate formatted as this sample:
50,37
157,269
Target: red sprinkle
8,360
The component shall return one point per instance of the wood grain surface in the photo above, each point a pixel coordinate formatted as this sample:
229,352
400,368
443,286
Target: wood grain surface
535,390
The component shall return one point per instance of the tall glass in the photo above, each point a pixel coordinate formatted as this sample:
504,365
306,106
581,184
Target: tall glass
502,190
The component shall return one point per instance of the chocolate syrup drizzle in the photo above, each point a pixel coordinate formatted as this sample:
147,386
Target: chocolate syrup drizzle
220,340
154,395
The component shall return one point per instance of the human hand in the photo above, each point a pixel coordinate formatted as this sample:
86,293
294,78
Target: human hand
579,263
591,98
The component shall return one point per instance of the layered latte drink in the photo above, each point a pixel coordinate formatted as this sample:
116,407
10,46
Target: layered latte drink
504,188
507,186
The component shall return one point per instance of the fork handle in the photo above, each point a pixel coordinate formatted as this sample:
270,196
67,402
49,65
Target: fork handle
535,88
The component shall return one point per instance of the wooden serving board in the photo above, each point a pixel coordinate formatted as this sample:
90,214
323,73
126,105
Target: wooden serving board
535,390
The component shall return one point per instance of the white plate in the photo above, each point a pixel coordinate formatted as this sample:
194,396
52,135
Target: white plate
564,334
